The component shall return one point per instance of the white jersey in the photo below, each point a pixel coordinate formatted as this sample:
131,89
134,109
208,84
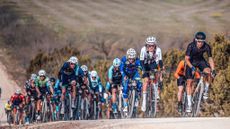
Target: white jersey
156,56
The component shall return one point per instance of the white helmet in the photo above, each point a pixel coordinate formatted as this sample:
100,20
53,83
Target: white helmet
18,91
33,76
42,72
73,59
116,62
131,53
151,40
93,73
84,68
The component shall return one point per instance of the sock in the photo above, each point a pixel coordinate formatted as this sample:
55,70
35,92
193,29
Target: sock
189,100
206,87
144,98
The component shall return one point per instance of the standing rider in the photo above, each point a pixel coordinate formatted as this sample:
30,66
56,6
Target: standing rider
67,76
129,70
42,88
115,79
151,58
194,58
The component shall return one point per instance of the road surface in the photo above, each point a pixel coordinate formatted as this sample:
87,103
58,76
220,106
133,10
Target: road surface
157,123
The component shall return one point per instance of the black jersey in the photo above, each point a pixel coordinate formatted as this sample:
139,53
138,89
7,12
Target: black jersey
196,54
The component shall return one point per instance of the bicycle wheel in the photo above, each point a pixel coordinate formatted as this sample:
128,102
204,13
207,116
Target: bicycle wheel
184,104
44,109
197,99
154,100
131,102
32,116
148,111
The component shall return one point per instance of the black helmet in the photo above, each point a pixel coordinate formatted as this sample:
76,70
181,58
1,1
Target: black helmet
200,36
52,79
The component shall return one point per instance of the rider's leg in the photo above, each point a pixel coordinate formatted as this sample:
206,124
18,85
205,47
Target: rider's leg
189,77
180,84
125,94
73,84
114,105
63,99
144,92
208,80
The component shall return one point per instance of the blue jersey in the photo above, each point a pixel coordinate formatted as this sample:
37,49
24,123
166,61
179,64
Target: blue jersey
129,69
57,88
79,71
115,75
95,83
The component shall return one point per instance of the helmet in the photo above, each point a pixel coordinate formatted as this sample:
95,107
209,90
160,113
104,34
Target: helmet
52,79
84,68
151,40
116,62
18,91
73,59
42,72
200,36
33,76
93,73
131,53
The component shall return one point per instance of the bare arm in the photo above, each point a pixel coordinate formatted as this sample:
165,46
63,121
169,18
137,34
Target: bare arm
211,62
188,61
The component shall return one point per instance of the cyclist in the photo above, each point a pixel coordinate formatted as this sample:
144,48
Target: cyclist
42,88
180,76
67,76
8,107
86,77
55,88
194,58
115,79
129,70
151,58
96,86
17,100
30,88
31,91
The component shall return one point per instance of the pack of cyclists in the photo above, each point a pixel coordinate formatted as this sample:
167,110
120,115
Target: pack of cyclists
123,70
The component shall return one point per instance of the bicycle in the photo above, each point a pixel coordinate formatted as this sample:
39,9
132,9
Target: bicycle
152,93
132,99
119,101
68,112
9,117
198,94
85,104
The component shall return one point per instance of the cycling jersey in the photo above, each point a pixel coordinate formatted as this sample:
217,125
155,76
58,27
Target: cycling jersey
7,106
57,88
180,71
95,84
31,91
156,56
115,75
43,85
17,99
196,54
129,69
197,58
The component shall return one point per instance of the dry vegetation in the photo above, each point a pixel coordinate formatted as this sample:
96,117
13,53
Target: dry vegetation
43,34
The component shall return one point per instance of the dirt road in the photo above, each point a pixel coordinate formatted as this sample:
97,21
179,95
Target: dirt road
158,123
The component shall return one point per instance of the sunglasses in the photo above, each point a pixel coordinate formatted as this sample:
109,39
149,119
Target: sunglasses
72,64
151,45
200,40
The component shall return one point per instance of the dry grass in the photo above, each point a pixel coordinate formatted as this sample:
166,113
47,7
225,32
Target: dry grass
168,19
